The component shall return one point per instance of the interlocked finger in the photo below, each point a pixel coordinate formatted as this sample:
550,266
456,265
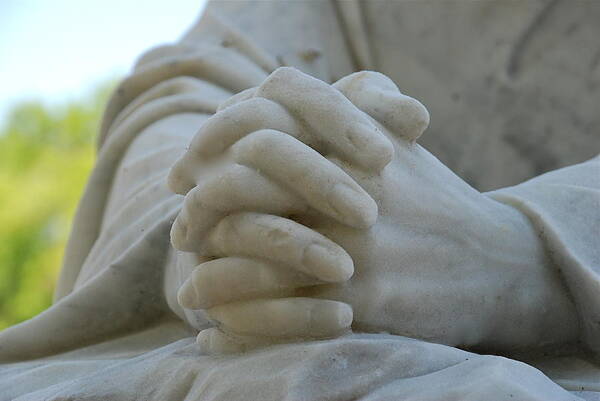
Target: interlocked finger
234,279
322,184
282,242
333,119
221,131
217,342
239,188
285,317
292,177
238,120
378,96
237,98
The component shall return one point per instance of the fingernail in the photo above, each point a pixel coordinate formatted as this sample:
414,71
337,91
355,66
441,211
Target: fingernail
344,316
419,119
331,318
204,340
382,151
373,147
326,264
355,207
179,233
186,296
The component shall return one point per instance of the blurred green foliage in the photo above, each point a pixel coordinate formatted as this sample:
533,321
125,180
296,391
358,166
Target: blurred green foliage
46,155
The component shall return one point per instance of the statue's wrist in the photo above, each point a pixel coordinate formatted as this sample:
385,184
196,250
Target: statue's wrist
534,296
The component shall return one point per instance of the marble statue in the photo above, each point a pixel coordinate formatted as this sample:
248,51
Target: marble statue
264,221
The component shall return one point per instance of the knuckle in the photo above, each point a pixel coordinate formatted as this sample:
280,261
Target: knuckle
256,144
255,112
278,237
224,187
177,180
179,233
260,113
193,199
283,73
236,99
256,104
180,83
211,196
279,78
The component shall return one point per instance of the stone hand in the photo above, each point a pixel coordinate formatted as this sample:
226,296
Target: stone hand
247,172
446,262
443,262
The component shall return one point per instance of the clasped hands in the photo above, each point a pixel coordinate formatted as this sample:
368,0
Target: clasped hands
313,210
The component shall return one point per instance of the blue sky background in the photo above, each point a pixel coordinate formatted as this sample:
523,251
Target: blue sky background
54,50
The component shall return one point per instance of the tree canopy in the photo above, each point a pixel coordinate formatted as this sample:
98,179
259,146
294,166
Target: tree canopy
46,155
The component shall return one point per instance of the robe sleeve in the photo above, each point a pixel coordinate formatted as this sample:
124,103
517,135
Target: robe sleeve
564,206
